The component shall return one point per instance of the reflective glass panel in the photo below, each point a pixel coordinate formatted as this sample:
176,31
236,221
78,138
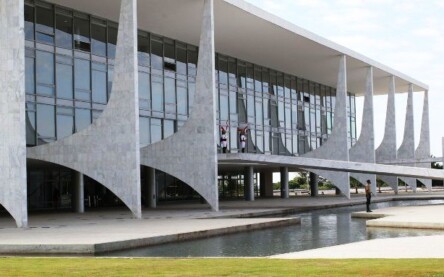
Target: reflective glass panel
45,122
98,43
63,31
82,34
223,110
156,130
156,54
144,90
45,67
45,24
64,81
30,127
181,62
83,119
65,124
29,85
168,128
170,91
112,41
181,100
157,96
144,131
143,47
82,74
29,22
99,86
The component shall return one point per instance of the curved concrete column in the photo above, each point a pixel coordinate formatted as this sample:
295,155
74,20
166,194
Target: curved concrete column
407,148
191,154
423,149
13,187
387,149
336,147
364,148
108,150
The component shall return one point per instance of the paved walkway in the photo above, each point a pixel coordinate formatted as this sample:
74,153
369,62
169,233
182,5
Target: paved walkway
113,229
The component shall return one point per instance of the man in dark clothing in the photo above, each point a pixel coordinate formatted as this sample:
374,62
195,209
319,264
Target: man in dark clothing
368,195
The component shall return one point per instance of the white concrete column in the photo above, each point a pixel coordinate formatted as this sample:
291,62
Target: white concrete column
407,148
364,149
79,193
190,155
387,149
423,149
336,146
284,182
151,195
249,183
13,187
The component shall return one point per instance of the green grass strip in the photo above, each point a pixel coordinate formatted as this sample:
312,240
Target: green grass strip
22,266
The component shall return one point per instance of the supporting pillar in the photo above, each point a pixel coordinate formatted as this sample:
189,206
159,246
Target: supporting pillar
190,154
13,189
151,195
407,148
249,183
266,183
79,193
314,180
336,146
387,149
364,148
423,149
284,182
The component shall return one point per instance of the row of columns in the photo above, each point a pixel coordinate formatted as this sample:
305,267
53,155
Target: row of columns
336,146
150,195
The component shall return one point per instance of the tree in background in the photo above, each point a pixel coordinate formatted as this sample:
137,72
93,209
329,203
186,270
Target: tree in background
355,184
437,183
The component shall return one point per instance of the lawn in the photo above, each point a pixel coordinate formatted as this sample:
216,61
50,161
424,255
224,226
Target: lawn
218,267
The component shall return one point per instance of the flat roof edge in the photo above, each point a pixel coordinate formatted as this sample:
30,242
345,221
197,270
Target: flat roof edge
282,23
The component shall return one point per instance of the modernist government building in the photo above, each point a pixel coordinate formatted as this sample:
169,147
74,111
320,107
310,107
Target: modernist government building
123,102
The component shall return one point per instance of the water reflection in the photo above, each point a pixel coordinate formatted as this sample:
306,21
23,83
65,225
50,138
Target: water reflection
317,229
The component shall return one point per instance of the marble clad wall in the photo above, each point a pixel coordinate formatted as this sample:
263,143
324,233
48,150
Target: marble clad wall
191,154
13,195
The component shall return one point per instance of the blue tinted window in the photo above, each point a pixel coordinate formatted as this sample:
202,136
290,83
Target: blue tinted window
64,31
64,81
45,123
99,86
83,119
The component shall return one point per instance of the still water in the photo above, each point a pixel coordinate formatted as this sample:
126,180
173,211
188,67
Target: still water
317,229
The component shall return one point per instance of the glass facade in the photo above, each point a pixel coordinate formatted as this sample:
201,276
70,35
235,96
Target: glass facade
69,64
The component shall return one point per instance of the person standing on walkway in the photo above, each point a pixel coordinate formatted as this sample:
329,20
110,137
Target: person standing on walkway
368,195
243,138
223,140
224,137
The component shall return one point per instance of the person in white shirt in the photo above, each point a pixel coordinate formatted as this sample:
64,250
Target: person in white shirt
243,138
224,140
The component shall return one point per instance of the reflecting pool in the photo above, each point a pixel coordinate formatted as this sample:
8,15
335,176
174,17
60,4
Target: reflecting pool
319,228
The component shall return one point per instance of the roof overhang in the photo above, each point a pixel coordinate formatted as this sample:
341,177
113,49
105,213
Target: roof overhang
249,33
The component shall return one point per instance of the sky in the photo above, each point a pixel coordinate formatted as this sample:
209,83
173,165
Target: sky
406,35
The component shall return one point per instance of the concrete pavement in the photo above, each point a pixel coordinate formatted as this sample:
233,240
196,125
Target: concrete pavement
114,229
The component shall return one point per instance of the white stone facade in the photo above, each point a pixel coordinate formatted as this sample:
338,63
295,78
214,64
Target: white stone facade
109,150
